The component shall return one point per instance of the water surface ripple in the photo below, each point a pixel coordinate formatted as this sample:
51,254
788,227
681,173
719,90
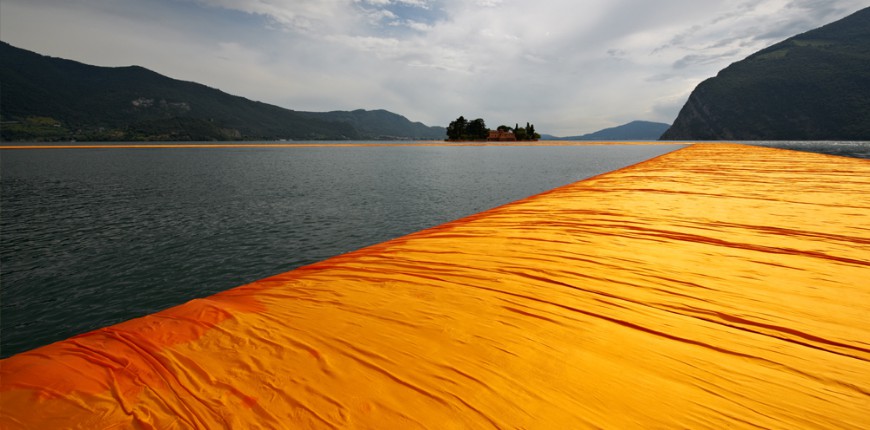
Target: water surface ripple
92,237
714,287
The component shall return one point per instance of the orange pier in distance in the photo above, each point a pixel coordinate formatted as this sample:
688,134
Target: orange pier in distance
717,286
311,144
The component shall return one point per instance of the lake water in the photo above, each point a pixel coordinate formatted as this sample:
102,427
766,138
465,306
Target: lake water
841,148
93,237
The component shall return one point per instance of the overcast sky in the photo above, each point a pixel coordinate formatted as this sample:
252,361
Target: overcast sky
568,66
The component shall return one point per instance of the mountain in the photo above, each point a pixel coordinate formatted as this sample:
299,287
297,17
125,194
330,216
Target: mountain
635,130
45,98
814,86
381,124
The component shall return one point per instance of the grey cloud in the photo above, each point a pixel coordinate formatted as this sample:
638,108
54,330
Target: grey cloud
820,9
679,39
581,67
693,60
783,31
662,77
667,112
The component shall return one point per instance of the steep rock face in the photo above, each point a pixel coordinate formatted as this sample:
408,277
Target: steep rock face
814,86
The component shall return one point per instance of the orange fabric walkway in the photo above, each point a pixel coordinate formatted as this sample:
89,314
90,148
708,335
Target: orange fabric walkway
718,286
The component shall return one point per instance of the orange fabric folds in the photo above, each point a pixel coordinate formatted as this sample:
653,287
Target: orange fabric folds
718,286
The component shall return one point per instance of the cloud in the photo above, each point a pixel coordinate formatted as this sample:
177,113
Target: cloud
569,68
419,26
307,16
693,60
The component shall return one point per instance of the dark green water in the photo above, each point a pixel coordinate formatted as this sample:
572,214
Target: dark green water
93,237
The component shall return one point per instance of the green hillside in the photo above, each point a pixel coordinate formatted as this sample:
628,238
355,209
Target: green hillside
380,124
45,98
814,86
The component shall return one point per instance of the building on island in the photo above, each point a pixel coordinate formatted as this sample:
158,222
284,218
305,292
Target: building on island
501,136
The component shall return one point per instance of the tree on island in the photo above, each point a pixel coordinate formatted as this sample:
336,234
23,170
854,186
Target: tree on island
477,130
462,129
456,129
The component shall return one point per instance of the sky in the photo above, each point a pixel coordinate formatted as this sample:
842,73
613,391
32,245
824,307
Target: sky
569,67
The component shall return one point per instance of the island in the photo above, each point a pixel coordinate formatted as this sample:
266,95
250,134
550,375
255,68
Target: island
475,130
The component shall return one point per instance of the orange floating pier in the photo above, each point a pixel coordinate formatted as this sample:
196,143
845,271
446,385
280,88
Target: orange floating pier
718,286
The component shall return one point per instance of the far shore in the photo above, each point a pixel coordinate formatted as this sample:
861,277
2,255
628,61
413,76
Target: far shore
314,144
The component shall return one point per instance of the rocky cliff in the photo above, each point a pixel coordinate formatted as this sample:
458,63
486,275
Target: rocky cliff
814,86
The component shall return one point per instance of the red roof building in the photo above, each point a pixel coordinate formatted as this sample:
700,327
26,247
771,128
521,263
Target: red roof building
501,136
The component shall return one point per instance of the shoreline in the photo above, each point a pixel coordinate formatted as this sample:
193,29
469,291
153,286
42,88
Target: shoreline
339,145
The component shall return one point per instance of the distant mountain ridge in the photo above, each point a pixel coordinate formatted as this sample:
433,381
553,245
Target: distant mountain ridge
813,86
46,98
635,130
381,124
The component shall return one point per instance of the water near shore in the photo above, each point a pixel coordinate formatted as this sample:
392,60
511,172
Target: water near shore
92,237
